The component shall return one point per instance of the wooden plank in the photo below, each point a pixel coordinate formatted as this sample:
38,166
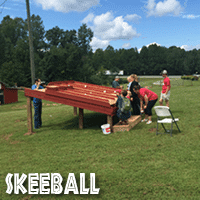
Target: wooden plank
29,117
132,121
110,121
75,111
61,98
80,118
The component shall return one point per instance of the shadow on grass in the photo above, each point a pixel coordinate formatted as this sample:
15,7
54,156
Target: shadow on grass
174,132
90,121
177,111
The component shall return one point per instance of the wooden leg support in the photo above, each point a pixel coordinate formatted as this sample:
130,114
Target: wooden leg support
80,118
110,121
29,116
75,111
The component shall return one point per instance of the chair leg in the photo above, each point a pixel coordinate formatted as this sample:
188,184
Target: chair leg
157,129
164,128
171,129
177,125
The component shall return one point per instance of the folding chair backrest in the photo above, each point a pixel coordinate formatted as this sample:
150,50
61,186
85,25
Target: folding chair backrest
162,111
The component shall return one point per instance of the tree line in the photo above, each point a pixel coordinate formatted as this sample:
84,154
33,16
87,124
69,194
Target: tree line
67,55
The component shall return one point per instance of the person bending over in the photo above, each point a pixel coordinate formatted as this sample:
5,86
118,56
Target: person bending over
150,98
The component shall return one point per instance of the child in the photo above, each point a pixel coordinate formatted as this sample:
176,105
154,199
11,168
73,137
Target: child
124,105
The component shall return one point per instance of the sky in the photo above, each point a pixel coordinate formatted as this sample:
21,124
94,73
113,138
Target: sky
119,23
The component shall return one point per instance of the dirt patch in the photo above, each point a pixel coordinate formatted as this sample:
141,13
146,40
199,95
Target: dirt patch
152,129
14,142
28,197
19,120
6,137
147,87
20,107
29,133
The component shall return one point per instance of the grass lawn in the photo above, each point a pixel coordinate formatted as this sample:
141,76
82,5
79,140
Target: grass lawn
128,165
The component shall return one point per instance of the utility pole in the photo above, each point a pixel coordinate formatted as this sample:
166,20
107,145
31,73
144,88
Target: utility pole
30,43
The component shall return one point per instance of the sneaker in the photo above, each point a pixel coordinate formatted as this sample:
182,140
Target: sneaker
149,122
144,120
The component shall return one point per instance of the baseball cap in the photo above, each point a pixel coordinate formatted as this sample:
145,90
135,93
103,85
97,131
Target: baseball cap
164,72
116,76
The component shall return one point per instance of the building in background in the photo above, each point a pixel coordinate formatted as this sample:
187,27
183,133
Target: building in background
7,94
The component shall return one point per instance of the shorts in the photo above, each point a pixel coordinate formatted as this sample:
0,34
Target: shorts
163,96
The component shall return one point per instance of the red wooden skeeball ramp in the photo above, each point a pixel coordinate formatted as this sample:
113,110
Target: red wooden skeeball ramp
77,94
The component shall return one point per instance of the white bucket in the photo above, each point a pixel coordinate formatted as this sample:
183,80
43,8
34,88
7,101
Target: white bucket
106,128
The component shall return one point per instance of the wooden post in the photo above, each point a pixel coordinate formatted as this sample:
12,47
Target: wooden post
75,111
110,121
80,118
29,116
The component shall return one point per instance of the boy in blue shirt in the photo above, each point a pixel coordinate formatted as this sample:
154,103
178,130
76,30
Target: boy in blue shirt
37,103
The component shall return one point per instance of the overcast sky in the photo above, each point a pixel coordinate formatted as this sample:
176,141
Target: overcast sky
120,23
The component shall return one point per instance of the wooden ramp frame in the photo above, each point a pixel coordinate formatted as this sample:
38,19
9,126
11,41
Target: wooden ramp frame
132,121
77,94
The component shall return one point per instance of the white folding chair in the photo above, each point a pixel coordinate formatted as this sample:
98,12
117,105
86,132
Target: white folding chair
164,111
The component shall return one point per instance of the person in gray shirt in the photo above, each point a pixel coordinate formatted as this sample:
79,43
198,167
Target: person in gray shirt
115,83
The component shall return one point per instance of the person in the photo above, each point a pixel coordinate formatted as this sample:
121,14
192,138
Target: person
42,83
124,107
150,98
15,86
135,102
165,93
115,83
37,103
129,79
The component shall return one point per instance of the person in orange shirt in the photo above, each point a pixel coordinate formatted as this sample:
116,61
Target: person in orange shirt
165,93
150,98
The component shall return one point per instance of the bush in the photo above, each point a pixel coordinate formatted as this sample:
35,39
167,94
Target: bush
123,81
101,80
190,77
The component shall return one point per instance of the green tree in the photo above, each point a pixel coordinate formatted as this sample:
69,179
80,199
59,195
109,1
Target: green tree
2,49
53,36
13,29
69,37
85,36
38,32
175,60
61,64
97,59
143,58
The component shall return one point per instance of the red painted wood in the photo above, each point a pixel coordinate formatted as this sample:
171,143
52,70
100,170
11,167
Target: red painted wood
10,94
62,98
73,93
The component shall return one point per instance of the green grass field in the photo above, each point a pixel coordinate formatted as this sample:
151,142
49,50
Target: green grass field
128,165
